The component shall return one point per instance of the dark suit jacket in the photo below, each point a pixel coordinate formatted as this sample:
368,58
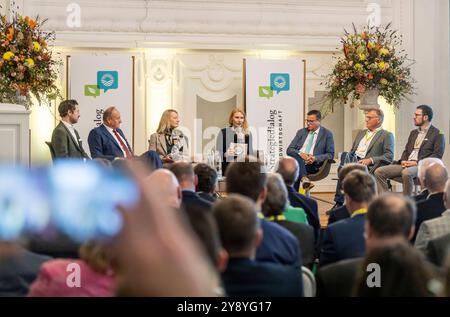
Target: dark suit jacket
438,249
191,198
223,141
432,146
305,236
343,240
338,279
278,246
17,273
64,145
323,150
244,277
309,206
209,197
422,196
429,208
338,214
103,145
381,147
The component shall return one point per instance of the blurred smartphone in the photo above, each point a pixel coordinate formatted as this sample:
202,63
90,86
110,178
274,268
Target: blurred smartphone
76,198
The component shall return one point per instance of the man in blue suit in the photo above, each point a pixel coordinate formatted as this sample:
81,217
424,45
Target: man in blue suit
345,239
312,146
109,142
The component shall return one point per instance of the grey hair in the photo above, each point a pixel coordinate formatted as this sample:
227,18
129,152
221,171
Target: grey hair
277,196
424,164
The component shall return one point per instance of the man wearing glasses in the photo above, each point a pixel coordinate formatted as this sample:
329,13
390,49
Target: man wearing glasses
311,146
426,141
370,147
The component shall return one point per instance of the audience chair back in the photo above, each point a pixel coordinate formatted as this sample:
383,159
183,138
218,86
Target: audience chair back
309,282
52,150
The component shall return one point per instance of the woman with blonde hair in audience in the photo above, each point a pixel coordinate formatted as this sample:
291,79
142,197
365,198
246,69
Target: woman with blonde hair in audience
234,141
93,275
168,138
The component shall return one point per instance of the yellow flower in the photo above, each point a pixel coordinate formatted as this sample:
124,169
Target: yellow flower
371,45
384,52
8,55
358,67
36,46
382,65
29,62
362,57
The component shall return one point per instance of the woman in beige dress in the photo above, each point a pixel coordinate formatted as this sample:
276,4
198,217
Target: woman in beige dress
167,136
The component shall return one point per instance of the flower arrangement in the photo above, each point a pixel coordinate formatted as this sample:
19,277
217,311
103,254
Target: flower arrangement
370,61
27,68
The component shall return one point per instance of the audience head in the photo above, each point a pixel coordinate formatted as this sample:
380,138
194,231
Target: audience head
247,179
165,182
390,217
347,168
435,178
423,115
205,227
185,174
402,272
359,188
277,197
374,119
288,169
238,119
423,165
313,118
96,256
447,195
69,111
169,120
111,118
239,226
207,178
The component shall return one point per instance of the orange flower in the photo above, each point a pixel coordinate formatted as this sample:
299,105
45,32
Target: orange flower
31,23
370,76
364,35
10,34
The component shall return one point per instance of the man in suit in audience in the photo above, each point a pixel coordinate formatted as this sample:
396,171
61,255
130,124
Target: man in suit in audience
187,179
426,141
311,147
289,171
241,234
345,239
421,168
279,245
342,211
390,218
435,179
66,141
18,269
438,250
207,182
108,141
372,146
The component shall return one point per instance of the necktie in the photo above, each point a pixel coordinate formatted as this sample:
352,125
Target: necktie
310,142
124,147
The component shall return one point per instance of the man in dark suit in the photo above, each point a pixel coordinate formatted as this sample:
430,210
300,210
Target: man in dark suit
371,147
289,170
438,250
342,211
18,269
345,239
107,141
390,218
66,141
426,141
187,179
435,178
279,245
311,147
421,169
241,234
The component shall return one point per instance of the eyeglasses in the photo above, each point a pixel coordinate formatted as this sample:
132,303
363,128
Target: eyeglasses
418,115
370,118
310,121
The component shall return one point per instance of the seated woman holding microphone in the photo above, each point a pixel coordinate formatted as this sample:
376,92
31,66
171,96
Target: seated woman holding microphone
169,142
235,141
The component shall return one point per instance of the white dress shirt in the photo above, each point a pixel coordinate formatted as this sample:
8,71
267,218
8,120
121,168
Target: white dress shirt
72,131
110,130
311,151
414,156
363,145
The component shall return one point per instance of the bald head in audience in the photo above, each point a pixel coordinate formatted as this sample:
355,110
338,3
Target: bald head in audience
390,218
238,225
165,182
447,196
288,169
435,178
423,166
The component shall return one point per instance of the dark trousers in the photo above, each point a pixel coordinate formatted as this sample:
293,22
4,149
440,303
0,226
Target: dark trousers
346,157
304,170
